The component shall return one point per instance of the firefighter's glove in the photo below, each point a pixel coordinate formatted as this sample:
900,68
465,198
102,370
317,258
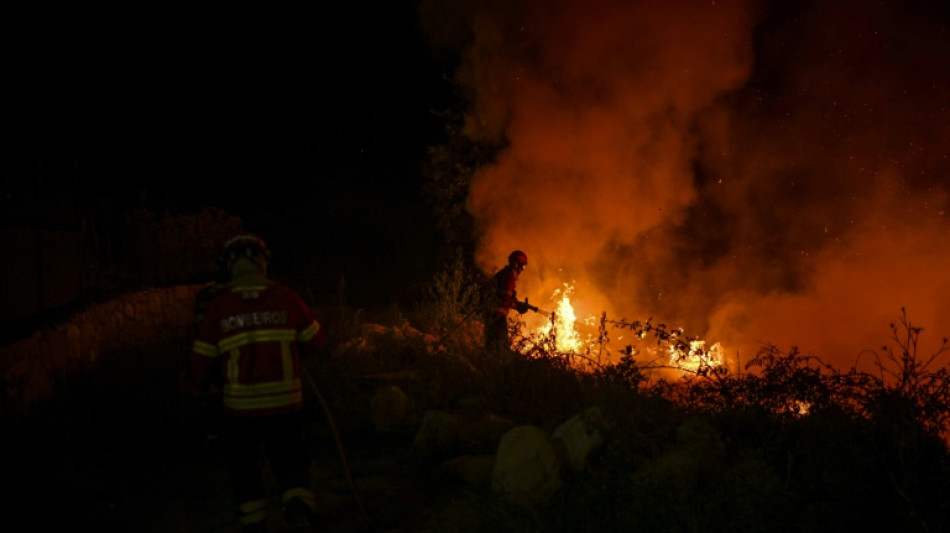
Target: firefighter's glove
521,307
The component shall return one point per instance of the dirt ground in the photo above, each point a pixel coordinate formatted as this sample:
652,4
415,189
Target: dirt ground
86,463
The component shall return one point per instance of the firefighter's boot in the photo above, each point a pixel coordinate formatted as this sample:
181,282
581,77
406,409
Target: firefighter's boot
299,516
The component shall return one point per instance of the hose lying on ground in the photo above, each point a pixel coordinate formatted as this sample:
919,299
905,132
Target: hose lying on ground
339,447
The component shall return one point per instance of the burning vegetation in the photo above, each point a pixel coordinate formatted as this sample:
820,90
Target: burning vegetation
566,333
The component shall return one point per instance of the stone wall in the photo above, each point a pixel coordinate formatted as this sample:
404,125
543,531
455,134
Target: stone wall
139,324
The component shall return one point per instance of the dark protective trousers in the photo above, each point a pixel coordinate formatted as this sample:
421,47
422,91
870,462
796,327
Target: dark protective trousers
496,332
274,440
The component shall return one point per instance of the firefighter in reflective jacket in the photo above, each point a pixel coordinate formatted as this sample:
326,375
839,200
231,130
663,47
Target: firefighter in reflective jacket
503,298
253,335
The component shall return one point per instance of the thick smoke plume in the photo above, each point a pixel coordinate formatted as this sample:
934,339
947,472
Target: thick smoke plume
754,173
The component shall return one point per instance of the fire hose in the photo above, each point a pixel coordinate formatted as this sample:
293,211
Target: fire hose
339,447
455,327
542,312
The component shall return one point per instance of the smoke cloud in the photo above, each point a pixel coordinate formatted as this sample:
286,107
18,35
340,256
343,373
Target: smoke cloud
756,173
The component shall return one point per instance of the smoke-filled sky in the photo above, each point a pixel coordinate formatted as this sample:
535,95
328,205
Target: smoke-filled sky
752,172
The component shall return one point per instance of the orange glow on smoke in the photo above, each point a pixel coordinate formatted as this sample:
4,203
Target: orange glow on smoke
648,160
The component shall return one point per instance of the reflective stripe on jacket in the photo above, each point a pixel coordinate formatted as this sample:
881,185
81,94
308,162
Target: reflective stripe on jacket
257,333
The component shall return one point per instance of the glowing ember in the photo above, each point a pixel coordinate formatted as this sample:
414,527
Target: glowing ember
800,408
696,357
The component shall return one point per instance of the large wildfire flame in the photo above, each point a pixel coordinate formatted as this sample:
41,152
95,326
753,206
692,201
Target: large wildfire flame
774,176
563,320
688,356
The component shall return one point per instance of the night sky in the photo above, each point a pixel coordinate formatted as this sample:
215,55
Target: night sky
755,172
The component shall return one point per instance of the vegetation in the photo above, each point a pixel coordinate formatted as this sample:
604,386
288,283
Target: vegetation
805,447
789,443
797,445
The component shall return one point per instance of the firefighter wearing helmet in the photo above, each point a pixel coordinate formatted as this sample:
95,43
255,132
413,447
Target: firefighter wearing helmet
251,341
502,299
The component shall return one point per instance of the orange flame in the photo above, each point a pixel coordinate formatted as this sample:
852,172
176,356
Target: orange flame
696,356
564,323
